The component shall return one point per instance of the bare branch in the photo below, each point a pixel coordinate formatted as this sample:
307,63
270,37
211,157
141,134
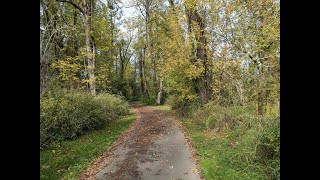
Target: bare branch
73,4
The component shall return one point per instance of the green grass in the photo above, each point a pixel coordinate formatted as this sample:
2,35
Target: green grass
215,155
232,154
68,159
161,107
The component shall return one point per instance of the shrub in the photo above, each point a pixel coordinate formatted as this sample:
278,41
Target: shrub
208,115
268,149
148,101
246,145
114,105
69,115
184,107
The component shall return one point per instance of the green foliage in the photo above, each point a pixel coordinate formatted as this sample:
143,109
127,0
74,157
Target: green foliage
227,87
184,108
148,101
68,159
69,69
209,115
69,115
104,75
241,71
234,144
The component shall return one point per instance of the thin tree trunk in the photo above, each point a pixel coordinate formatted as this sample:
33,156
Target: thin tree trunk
90,46
154,71
76,44
141,76
260,104
147,48
133,80
158,101
141,73
144,87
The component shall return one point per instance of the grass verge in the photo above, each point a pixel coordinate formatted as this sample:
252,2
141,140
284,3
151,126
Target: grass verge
68,159
161,107
234,154
244,150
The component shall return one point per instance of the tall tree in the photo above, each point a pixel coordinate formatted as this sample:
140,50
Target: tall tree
196,29
86,7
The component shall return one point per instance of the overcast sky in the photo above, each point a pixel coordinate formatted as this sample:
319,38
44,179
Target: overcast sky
127,12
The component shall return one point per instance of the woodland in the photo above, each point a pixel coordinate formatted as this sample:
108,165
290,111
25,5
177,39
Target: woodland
214,63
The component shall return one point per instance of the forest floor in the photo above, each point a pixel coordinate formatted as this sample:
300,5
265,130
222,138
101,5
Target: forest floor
154,147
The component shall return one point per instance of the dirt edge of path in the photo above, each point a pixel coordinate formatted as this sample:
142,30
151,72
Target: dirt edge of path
92,169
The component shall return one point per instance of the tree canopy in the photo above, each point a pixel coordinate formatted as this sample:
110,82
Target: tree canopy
181,51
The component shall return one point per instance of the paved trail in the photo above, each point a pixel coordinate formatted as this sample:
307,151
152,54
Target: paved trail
154,148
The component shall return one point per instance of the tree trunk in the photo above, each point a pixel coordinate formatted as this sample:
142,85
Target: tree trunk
90,46
263,94
76,42
90,55
143,82
201,83
147,47
154,71
158,101
87,7
260,104
145,87
133,80
141,74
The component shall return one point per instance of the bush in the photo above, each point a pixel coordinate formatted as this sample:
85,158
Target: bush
148,101
268,150
114,105
184,107
209,115
69,115
243,143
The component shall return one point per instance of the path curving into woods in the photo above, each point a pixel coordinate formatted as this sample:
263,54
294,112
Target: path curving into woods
154,147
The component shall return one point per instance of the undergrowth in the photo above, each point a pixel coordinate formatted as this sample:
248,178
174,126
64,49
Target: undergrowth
68,115
68,159
233,143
